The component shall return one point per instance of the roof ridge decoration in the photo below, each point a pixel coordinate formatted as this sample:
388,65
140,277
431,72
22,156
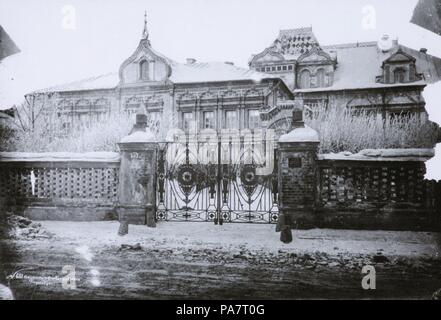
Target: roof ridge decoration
145,32
351,45
296,41
289,45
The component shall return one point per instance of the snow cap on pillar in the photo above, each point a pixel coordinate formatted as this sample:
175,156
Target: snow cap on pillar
300,132
139,132
139,136
305,134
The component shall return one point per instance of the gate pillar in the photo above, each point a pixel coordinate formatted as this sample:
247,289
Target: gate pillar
297,173
137,176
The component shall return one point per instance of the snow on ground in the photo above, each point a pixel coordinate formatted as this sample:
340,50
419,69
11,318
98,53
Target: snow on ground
233,261
233,237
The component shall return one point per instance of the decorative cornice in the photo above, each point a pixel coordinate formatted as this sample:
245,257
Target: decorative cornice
318,51
398,52
271,51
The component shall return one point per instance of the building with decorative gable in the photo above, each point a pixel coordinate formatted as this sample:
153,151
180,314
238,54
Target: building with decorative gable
213,95
384,76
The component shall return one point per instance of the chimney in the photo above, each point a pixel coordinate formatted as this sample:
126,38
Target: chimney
191,60
385,43
423,50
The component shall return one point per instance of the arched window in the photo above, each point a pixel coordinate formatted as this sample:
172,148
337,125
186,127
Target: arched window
305,79
144,70
399,75
321,78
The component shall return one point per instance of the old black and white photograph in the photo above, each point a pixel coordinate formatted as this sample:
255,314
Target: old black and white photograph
228,150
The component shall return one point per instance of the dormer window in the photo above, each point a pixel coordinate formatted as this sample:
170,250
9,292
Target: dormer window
316,69
321,78
144,70
305,79
399,75
399,68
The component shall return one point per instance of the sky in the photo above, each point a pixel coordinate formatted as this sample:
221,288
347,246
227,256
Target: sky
63,41
106,32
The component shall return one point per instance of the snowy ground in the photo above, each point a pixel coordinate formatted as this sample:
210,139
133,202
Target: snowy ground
201,260
178,235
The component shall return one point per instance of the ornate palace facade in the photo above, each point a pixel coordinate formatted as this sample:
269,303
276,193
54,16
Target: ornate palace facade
385,77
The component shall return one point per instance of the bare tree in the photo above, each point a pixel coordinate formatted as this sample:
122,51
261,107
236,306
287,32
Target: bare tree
38,108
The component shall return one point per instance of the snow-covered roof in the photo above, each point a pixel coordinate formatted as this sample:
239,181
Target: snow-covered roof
181,73
106,81
358,66
213,72
360,63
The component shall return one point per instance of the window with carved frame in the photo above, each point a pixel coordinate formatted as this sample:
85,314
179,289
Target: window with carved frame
144,70
399,75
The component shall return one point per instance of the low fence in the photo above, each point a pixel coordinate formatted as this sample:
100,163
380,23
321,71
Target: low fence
350,192
377,193
60,186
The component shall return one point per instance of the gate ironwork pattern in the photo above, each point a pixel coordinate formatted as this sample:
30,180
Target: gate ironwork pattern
216,182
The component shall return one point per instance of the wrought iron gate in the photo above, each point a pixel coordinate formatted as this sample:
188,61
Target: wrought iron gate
218,182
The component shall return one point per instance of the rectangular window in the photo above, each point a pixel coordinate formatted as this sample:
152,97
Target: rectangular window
209,120
279,68
290,67
273,68
187,118
284,68
230,120
268,69
254,119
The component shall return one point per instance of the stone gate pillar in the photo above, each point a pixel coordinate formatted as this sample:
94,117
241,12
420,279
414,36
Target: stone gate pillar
137,175
297,173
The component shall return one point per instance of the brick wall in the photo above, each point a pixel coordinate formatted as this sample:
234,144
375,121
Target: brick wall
296,180
297,169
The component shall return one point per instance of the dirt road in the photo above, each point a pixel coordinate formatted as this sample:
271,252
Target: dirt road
199,261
